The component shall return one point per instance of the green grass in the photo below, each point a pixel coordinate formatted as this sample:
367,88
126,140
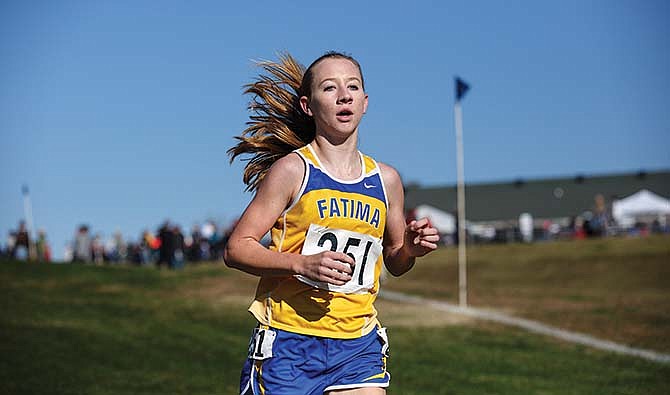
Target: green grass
617,288
73,329
495,360
70,329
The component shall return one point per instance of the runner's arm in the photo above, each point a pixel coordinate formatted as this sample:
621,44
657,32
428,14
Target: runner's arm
403,242
275,193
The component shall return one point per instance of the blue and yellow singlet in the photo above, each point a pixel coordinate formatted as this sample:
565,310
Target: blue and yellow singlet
328,214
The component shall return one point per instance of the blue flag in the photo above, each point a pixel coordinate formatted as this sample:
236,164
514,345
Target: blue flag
461,89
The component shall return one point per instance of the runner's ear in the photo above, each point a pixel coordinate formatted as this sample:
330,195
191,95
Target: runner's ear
304,104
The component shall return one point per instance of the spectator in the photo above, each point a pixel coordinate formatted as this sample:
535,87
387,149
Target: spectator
21,248
68,253
178,244
98,250
167,247
148,247
116,249
194,248
121,246
600,221
11,244
43,249
82,246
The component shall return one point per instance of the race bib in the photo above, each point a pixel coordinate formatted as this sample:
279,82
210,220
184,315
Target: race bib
260,347
364,249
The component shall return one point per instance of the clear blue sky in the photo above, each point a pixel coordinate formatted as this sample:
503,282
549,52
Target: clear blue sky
118,114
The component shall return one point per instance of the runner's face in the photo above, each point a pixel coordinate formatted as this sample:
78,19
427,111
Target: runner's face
338,100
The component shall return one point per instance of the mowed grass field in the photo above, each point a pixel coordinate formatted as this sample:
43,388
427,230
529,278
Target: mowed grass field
616,289
73,329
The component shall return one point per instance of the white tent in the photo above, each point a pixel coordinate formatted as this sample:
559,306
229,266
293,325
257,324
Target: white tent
443,221
639,204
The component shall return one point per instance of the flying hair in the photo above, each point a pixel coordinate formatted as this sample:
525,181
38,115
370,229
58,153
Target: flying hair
277,124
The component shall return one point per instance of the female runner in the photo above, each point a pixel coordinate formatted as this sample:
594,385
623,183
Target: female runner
335,216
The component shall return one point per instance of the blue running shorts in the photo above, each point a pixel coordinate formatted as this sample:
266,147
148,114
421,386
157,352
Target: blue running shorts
286,363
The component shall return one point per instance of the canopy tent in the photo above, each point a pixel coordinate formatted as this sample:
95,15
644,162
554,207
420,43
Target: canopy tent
443,221
639,204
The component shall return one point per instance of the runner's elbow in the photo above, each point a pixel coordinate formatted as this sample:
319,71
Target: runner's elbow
230,255
394,271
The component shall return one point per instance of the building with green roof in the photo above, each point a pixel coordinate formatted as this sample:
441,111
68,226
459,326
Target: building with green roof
556,199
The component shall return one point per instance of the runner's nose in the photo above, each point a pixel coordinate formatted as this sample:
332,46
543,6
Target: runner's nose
345,97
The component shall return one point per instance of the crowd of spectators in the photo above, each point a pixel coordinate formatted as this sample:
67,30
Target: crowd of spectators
170,247
167,247
20,246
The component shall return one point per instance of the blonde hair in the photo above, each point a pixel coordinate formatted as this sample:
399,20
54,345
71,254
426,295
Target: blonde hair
277,125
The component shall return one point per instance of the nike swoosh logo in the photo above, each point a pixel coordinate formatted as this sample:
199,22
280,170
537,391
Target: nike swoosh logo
368,186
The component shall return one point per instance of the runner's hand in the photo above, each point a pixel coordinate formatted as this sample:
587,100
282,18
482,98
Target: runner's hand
329,266
421,237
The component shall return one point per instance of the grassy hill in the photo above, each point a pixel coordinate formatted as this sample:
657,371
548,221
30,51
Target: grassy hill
73,329
616,288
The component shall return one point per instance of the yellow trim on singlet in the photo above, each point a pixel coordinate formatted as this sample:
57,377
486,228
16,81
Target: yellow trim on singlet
358,205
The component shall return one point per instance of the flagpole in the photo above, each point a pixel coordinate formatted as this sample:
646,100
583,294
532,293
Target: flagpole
462,262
